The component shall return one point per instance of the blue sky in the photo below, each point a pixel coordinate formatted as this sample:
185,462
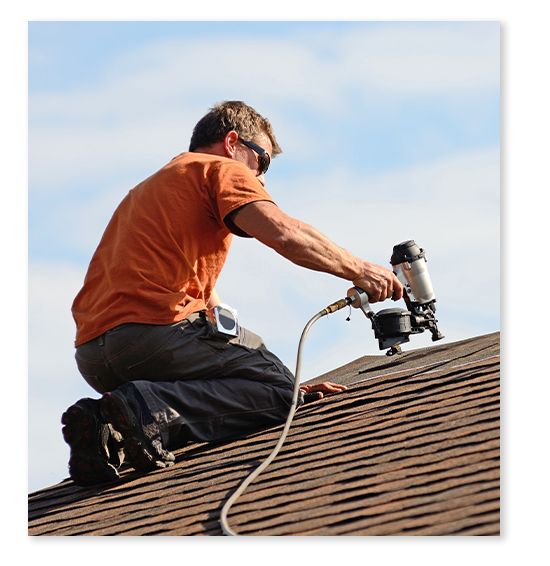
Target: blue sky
390,131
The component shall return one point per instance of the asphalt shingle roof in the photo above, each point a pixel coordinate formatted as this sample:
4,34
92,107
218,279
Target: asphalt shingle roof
411,448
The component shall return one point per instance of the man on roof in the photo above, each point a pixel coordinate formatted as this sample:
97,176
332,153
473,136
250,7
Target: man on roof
147,337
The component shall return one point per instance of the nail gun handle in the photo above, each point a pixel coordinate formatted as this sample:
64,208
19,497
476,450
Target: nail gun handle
360,300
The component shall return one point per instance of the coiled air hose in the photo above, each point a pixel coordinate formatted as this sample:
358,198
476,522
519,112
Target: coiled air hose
250,478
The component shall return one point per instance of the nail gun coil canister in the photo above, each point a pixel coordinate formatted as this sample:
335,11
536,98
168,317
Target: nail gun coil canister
392,322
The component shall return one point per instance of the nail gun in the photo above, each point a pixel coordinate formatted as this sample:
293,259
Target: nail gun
392,327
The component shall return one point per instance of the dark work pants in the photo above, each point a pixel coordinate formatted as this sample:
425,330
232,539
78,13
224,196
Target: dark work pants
198,384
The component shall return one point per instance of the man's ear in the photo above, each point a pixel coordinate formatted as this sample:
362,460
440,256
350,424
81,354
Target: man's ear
230,143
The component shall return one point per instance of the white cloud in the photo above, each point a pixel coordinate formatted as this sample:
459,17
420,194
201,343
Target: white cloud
149,99
421,59
54,382
52,289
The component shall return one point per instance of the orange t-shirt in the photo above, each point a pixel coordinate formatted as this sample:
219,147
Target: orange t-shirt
163,249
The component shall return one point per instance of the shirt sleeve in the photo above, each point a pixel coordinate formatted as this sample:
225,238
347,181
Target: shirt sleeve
232,185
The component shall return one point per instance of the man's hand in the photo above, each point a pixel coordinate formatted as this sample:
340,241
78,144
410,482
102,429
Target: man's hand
379,283
321,389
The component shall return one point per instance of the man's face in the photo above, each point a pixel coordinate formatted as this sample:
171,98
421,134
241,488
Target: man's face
249,157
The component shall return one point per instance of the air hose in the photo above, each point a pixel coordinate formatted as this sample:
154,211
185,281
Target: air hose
251,477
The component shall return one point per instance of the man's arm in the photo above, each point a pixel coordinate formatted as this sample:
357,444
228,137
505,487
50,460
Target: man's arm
304,245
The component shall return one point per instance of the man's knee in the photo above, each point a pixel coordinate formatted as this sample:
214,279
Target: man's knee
286,395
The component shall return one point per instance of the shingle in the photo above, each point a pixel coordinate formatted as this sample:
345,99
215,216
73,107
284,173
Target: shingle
411,448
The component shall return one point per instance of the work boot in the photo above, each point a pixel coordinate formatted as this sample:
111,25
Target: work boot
126,410
96,450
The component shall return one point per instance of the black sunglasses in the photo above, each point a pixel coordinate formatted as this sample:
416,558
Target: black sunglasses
263,157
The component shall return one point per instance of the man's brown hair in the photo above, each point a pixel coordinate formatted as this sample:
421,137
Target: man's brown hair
227,116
